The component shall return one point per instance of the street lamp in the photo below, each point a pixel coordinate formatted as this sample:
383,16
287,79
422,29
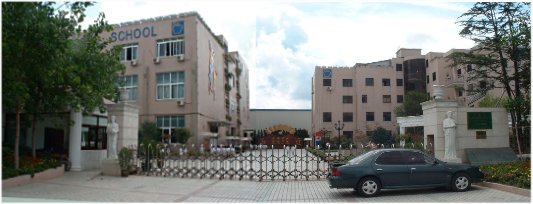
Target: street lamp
339,126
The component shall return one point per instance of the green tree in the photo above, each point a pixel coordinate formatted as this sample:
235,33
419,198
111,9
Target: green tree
182,135
50,64
381,136
490,101
411,105
149,132
502,33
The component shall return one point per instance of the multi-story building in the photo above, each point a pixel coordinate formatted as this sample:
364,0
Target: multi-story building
180,74
364,96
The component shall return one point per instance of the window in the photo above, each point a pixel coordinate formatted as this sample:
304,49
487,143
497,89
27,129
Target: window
326,117
434,75
364,99
416,158
468,68
427,63
326,82
347,82
386,82
129,83
347,99
168,123
460,93
93,133
347,117
170,85
427,79
399,99
369,81
172,47
399,82
386,116
129,52
459,72
482,84
369,116
348,134
386,99
390,158
369,133
398,67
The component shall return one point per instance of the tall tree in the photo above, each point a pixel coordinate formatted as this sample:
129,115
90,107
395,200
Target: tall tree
411,105
502,33
50,64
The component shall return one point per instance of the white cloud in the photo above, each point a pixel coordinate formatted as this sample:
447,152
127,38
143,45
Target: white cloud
282,42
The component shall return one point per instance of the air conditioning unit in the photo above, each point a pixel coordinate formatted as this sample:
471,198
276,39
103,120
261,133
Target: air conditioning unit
330,88
181,57
133,62
181,102
156,60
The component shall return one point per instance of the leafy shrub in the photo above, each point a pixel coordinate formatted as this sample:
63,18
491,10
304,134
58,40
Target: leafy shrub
28,164
517,174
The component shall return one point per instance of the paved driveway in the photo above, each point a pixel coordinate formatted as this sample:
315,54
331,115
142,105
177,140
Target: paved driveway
87,186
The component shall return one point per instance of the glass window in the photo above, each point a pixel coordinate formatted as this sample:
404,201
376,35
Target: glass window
94,136
398,67
386,99
434,76
369,81
326,117
170,85
130,83
369,116
347,82
390,158
459,72
347,99
468,68
386,82
170,47
399,82
417,158
129,52
347,117
399,99
348,134
168,123
387,116
427,79
364,98
326,82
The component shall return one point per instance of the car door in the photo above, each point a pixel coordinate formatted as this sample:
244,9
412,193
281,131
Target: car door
423,169
391,169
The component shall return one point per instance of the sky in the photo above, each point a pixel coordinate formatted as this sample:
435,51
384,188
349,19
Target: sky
282,42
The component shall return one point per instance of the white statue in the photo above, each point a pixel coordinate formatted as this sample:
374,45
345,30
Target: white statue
449,126
112,134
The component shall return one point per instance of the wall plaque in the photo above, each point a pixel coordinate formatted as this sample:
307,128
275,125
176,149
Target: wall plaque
479,120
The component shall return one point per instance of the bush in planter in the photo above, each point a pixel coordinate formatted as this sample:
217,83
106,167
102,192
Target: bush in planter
517,174
125,156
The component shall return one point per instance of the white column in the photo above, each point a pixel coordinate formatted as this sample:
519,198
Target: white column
402,130
74,149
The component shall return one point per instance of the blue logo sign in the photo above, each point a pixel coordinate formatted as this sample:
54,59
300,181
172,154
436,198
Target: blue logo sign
327,73
178,27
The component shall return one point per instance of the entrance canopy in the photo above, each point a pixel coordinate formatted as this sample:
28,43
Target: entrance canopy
409,121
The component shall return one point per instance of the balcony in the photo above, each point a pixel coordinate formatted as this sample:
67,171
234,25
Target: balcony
455,81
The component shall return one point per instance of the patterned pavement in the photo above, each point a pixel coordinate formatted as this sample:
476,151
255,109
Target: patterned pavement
89,186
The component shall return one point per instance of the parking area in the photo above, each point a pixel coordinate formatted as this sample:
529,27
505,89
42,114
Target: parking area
90,186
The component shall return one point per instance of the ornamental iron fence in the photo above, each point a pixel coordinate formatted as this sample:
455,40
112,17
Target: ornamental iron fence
256,162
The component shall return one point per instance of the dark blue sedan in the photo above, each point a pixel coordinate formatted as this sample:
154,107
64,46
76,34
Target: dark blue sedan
401,168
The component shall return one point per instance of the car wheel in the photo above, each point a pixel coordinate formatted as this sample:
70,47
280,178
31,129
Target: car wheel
460,182
368,186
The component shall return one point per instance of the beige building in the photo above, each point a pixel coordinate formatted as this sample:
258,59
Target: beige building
180,74
363,96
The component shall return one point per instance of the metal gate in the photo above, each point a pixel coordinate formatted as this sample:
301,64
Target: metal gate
256,163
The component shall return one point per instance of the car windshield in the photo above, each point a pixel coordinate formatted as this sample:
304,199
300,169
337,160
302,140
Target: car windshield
362,157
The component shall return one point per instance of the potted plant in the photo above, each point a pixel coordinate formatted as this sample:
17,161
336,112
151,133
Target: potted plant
124,159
